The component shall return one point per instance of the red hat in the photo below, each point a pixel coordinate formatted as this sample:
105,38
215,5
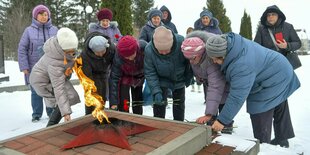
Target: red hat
105,13
127,46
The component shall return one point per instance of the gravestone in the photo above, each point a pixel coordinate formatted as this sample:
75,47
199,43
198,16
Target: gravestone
1,55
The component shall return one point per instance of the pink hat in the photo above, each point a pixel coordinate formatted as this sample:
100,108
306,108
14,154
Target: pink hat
193,46
39,9
127,46
163,38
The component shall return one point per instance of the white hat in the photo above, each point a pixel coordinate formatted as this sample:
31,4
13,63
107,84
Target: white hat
67,38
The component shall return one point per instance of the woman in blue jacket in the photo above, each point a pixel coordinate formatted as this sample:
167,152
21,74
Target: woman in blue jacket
261,77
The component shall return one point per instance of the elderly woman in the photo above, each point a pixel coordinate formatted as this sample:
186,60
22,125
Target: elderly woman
261,77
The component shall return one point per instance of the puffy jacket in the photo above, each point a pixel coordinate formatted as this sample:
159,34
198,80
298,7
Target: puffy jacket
95,67
289,34
217,88
112,31
261,77
49,80
31,44
172,70
126,72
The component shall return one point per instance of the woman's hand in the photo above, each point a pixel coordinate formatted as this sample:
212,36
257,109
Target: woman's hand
217,126
67,118
203,119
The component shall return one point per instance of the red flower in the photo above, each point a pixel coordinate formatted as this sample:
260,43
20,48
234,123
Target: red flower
126,105
116,36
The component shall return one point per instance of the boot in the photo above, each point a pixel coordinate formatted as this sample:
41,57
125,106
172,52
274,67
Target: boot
55,117
282,143
199,90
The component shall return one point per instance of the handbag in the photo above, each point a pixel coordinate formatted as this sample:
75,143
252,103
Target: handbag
291,56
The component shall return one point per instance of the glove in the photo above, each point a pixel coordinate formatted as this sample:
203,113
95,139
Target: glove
158,99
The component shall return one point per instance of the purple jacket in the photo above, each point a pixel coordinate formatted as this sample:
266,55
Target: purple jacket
111,31
31,44
207,71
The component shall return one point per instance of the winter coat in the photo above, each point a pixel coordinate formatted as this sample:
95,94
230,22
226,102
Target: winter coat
49,80
126,72
289,34
31,43
112,31
95,67
147,31
260,76
171,71
168,22
213,27
217,88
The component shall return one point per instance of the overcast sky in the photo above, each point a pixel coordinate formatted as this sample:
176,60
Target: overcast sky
184,12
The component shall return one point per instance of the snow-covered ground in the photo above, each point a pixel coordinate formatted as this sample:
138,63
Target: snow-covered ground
16,111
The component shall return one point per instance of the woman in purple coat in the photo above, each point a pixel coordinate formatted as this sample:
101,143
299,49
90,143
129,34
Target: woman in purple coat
30,51
194,49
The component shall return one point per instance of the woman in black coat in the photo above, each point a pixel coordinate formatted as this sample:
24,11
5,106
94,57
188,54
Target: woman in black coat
97,58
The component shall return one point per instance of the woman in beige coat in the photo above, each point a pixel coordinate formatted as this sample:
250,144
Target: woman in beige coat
50,76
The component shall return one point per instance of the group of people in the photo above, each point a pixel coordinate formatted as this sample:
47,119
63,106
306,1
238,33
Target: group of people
233,70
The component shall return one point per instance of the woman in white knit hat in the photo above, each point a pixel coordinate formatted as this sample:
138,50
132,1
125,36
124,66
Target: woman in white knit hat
50,76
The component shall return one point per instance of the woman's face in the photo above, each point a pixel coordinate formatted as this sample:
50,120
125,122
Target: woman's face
132,57
42,17
272,18
218,60
156,20
195,59
165,14
205,20
105,23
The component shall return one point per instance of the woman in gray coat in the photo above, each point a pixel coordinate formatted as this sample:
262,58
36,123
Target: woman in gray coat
50,76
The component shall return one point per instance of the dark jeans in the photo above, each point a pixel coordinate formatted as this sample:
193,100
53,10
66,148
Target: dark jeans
283,128
55,117
37,105
178,96
136,95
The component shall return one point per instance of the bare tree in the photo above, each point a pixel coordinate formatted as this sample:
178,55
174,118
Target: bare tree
17,20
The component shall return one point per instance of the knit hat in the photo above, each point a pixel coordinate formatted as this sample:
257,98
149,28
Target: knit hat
105,13
163,38
127,46
193,46
216,46
206,13
39,9
98,44
67,38
153,13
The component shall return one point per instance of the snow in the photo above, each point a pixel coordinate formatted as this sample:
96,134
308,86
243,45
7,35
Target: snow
16,113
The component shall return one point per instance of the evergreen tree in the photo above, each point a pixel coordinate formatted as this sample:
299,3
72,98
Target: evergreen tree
246,26
219,12
140,11
121,13
4,4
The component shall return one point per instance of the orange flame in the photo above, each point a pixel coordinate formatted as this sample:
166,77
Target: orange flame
92,98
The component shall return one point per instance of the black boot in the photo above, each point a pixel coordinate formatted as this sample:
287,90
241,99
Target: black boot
282,143
55,117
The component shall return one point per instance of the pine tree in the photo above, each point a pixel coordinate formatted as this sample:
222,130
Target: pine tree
140,11
219,12
4,4
121,13
246,26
